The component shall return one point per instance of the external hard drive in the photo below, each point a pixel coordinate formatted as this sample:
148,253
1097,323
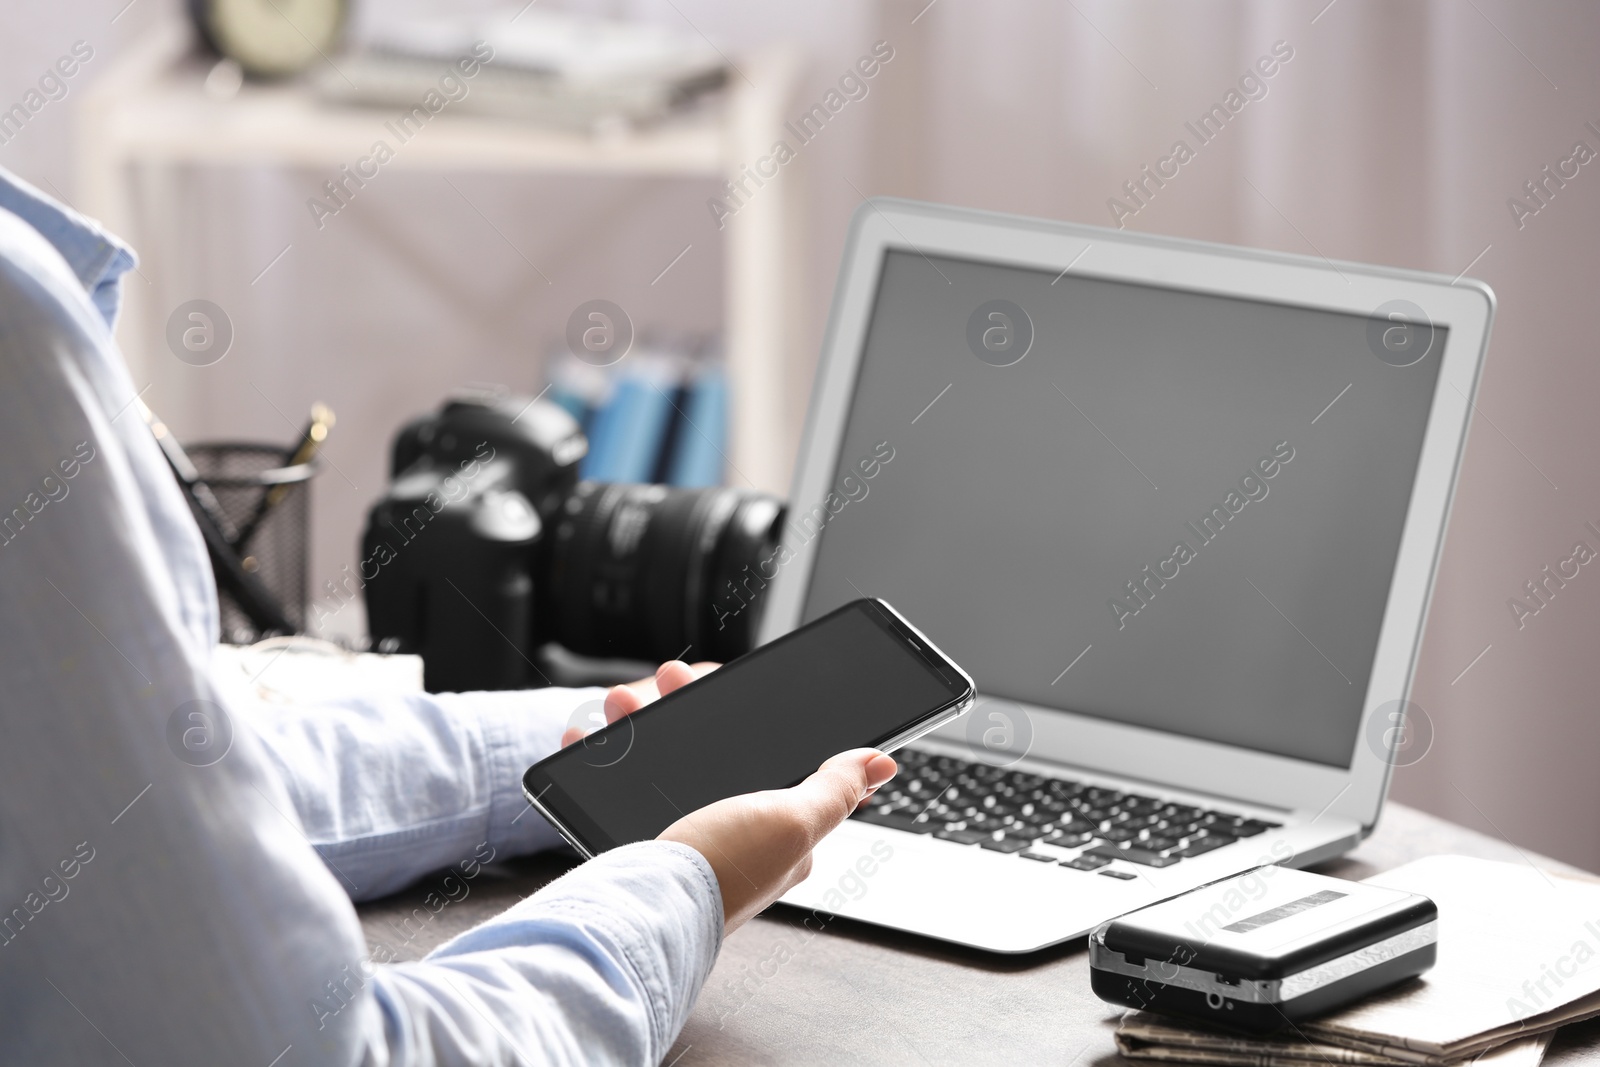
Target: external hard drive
1263,949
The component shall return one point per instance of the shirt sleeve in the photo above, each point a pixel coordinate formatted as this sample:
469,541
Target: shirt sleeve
162,902
388,789
603,963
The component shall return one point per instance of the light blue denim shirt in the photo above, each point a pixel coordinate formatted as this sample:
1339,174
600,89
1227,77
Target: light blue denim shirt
157,912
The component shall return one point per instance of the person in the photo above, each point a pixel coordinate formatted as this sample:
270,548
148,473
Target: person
157,908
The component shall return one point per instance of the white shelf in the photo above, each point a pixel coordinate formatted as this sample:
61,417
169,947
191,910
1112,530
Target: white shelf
151,110
172,119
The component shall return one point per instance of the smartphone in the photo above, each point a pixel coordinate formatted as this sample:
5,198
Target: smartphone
859,677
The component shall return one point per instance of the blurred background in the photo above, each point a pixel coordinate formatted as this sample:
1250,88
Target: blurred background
1429,135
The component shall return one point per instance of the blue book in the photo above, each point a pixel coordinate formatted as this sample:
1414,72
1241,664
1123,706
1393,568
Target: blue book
578,388
703,438
575,405
628,430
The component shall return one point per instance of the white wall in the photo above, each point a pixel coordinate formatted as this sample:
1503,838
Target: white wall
1395,135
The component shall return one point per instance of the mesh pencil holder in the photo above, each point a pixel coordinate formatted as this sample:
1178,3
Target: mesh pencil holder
269,501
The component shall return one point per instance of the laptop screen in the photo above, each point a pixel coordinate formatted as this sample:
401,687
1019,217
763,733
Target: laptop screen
1168,509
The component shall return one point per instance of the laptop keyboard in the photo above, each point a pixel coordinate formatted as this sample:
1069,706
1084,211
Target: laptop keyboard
1038,818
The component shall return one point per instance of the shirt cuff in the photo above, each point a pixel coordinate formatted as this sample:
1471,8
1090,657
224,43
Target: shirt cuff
520,728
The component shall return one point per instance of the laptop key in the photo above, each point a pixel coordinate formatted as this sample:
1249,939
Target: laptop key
896,821
1142,856
1201,845
964,837
1007,844
1085,862
1040,856
1120,875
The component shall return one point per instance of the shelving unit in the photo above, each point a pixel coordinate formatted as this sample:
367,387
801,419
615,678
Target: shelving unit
151,111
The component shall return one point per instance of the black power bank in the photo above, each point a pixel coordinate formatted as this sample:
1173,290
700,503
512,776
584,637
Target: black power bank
1263,949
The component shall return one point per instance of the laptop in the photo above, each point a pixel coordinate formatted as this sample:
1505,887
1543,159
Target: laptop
1176,506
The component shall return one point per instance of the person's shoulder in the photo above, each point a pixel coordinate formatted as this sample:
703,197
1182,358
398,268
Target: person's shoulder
37,287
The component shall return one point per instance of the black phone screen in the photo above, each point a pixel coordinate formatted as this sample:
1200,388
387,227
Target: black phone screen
854,678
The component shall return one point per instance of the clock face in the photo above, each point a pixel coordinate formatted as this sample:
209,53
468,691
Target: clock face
271,37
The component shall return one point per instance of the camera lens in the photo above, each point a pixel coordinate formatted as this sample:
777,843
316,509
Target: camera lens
651,572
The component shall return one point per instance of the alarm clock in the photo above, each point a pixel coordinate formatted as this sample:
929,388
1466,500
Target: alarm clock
270,38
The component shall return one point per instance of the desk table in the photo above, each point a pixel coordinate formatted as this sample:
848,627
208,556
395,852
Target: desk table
856,994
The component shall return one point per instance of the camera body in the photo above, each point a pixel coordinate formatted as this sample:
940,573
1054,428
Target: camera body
486,548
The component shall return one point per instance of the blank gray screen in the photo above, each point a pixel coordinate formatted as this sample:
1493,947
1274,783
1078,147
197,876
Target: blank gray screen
1023,503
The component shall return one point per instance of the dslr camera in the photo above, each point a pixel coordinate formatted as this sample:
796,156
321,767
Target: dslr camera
486,550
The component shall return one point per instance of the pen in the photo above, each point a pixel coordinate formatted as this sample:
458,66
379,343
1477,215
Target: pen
311,438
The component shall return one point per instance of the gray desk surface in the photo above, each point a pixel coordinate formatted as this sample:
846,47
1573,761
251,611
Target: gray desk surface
856,994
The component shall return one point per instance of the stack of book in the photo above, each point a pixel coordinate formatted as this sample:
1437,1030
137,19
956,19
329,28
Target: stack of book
1142,1036
661,415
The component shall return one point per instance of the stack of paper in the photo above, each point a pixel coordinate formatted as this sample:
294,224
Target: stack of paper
1519,955
304,670
548,67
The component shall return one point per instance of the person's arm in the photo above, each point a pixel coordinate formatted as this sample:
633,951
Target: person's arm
390,788
600,966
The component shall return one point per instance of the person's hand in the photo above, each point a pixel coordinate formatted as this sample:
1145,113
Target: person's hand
626,699
759,844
